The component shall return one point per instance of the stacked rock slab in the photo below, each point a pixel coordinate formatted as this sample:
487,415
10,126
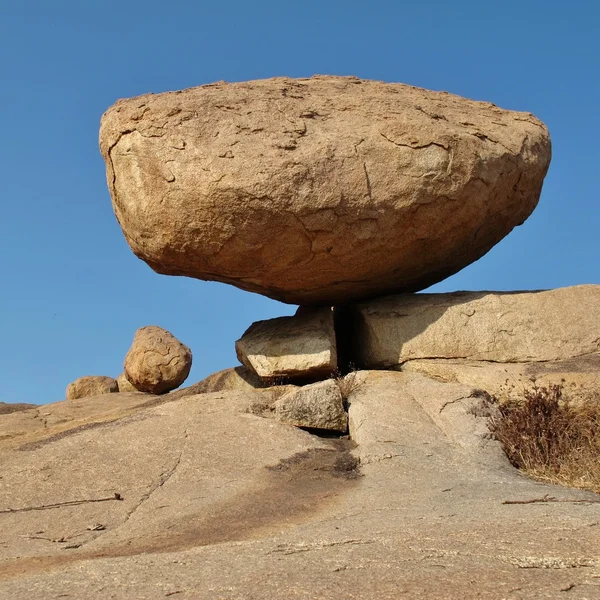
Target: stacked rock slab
492,340
500,327
298,347
322,191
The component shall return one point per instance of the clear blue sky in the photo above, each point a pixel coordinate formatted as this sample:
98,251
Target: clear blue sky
73,293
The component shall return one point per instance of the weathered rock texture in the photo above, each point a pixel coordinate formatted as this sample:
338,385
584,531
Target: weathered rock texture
157,361
579,377
321,190
125,385
91,385
237,379
319,406
9,407
299,347
219,504
506,327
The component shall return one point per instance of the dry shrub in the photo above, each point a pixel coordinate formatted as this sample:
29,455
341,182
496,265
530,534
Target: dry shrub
551,438
346,383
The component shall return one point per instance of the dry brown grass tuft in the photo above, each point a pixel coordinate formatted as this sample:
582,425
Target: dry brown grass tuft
550,438
346,383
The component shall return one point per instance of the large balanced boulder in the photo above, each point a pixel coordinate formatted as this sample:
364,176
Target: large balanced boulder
157,361
501,327
91,385
319,191
302,346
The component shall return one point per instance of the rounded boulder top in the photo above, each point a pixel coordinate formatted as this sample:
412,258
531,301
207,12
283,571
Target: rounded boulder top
323,190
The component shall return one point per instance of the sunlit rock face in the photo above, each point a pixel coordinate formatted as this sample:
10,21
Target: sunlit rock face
319,191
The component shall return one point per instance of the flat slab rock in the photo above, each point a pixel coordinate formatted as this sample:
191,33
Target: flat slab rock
319,191
502,327
302,346
218,503
579,377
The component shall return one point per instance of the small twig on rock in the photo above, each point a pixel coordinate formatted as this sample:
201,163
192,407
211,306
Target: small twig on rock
116,496
548,498
60,540
72,546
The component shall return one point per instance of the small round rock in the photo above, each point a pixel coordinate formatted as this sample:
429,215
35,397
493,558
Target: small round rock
157,361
